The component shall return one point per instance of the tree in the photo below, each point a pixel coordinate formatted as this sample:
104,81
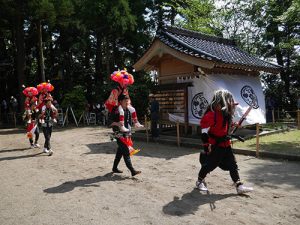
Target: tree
197,15
41,11
268,28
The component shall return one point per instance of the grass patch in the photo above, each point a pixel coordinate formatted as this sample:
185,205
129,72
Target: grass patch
285,143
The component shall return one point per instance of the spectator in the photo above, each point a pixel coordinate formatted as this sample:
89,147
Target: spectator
56,105
270,106
14,104
4,109
104,113
298,103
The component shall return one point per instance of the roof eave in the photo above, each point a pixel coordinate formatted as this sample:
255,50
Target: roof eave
158,48
249,68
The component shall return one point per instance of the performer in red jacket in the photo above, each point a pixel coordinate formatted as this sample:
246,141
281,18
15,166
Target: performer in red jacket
216,124
123,78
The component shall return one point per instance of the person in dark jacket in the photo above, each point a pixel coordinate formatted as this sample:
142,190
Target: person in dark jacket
47,119
123,150
154,115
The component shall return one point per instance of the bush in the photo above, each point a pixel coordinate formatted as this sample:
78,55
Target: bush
76,99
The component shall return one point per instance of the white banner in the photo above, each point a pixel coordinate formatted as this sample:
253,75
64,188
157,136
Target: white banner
246,90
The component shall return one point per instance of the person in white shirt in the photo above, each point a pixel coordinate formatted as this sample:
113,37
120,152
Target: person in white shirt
47,119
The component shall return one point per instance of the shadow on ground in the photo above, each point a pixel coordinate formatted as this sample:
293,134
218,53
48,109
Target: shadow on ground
275,174
12,131
14,150
147,150
190,202
21,156
22,130
90,182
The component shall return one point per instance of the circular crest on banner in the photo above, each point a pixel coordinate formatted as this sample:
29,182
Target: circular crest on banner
198,105
249,96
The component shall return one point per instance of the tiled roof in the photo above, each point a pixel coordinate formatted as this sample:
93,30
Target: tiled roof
210,47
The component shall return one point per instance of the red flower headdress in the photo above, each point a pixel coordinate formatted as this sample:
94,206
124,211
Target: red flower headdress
30,91
122,77
45,86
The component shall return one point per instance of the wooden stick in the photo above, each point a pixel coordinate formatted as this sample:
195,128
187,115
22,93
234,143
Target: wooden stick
257,140
66,115
81,118
15,120
74,116
298,113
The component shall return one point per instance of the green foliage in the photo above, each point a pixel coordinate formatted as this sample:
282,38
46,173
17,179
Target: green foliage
284,143
84,39
139,93
198,16
76,99
268,28
42,10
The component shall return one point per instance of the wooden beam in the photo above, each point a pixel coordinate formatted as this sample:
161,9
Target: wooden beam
158,48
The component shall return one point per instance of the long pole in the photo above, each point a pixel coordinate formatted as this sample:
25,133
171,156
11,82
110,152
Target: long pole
257,140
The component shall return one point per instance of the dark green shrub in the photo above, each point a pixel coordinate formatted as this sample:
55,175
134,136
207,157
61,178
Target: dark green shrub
76,99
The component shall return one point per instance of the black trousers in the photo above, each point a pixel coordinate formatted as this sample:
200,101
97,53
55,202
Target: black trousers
37,135
47,134
123,151
223,158
154,129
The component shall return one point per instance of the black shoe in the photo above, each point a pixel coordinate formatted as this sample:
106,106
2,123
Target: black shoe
117,171
135,173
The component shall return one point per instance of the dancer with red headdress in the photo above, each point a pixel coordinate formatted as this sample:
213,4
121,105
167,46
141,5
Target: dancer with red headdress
123,78
44,89
30,93
125,145
31,114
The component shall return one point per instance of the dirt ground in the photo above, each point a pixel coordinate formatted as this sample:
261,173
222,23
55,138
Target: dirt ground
75,185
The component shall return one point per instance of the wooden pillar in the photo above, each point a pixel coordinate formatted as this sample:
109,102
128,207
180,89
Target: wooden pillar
186,110
146,126
273,116
298,120
257,140
178,134
194,129
15,120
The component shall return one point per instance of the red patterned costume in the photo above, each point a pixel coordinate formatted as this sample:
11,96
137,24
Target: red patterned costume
30,93
123,78
44,88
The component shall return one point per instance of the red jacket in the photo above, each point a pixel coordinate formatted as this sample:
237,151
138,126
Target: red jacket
214,121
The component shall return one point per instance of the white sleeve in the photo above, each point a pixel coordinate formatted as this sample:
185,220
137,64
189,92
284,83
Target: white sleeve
53,108
204,130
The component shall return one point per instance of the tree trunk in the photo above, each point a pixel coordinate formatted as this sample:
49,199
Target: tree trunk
173,14
107,55
40,50
67,59
87,54
20,54
98,63
284,74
